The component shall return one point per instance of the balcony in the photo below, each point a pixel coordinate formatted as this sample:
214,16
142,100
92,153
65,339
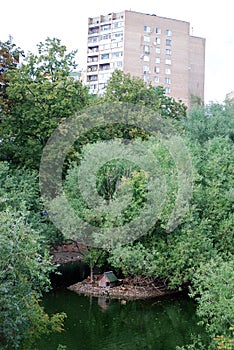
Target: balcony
92,78
93,50
92,41
92,59
91,69
103,67
94,30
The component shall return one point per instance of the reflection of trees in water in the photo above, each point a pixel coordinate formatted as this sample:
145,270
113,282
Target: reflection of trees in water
103,323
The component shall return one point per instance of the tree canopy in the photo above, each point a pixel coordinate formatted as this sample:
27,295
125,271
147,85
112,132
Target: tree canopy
42,95
122,87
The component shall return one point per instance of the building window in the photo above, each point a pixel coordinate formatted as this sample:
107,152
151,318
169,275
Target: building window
168,42
146,58
105,56
93,86
145,69
156,69
158,50
117,44
117,64
146,29
157,60
105,47
167,80
117,35
117,54
92,78
102,86
168,51
167,90
105,37
92,59
156,79
168,61
106,27
146,48
146,38
93,39
157,41
145,78
168,32
92,68
167,71
93,30
158,30
104,66
117,25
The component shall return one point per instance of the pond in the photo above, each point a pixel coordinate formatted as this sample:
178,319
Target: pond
103,324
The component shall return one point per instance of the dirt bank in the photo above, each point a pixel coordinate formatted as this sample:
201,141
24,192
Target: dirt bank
126,291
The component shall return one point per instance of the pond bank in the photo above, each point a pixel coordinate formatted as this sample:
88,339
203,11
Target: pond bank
126,291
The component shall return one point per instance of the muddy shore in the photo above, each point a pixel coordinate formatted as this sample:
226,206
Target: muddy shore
125,291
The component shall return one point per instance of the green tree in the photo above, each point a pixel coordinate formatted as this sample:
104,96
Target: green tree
212,287
122,87
42,95
24,275
19,189
9,58
204,123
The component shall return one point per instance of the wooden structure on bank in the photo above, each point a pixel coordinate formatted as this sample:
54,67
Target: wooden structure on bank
108,279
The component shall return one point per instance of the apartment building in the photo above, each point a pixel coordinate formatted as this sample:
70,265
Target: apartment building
157,49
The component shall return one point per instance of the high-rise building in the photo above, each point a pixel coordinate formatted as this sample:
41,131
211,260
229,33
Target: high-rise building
157,49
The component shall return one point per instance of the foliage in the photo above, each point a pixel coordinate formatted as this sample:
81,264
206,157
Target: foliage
122,87
213,194
95,258
196,344
42,95
225,343
9,58
214,120
24,275
212,287
19,190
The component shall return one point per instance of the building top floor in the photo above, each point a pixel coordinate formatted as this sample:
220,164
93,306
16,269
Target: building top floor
133,17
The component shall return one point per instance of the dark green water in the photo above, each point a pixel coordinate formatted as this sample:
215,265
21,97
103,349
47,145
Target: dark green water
96,324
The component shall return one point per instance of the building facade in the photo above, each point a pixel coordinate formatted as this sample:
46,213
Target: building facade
157,49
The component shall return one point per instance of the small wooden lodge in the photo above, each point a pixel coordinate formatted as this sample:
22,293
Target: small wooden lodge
108,279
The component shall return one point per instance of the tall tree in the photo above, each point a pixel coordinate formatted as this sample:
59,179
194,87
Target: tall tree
122,87
42,95
9,58
24,275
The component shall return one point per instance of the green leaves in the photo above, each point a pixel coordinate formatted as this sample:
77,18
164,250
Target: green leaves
42,95
122,87
213,286
24,274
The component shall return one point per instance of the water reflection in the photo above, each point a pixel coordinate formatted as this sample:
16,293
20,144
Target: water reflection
104,324
103,303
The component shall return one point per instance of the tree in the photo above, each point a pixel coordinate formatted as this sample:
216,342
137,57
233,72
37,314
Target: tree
19,189
24,275
9,58
212,287
122,87
42,95
204,123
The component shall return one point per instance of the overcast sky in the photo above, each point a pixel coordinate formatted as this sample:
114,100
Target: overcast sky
32,21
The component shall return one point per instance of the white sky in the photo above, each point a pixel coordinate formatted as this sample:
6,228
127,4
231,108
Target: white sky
32,21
